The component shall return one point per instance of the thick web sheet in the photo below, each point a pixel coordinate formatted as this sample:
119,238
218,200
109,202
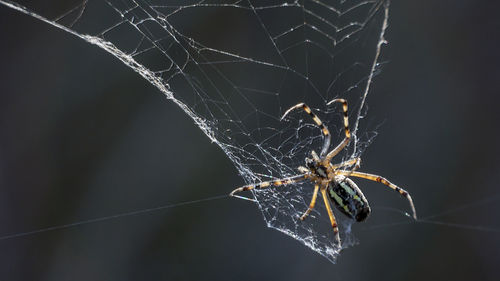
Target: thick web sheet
235,66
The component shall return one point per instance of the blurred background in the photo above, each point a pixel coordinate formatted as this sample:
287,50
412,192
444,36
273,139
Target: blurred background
82,137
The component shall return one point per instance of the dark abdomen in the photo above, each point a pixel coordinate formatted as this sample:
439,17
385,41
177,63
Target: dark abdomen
348,198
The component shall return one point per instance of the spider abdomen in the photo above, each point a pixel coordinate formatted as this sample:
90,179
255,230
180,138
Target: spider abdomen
348,198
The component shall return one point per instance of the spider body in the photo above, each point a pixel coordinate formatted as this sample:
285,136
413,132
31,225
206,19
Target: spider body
332,180
342,191
348,198
317,170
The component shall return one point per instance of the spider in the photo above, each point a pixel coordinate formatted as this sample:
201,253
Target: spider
332,180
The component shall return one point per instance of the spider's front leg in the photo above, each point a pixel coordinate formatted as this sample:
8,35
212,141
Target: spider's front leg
354,161
319,123
267,184
347,132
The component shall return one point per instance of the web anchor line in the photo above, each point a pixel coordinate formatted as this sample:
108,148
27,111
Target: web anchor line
111,217
438,223
430,219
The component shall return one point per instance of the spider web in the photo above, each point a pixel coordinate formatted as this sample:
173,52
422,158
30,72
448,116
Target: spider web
235,66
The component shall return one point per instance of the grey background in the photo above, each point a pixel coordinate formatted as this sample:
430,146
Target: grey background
84,137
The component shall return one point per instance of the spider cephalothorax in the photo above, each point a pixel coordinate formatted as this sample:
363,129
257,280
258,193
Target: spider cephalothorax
315,168
332,180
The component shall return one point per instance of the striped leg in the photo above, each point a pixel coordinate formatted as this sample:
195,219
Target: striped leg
316,120
382,180
330,214
349,162
347,138
267,184
311,205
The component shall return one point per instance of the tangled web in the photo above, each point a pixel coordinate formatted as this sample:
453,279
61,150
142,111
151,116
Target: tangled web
235,66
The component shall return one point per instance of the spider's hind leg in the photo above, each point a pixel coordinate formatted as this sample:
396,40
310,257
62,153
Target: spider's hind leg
384,181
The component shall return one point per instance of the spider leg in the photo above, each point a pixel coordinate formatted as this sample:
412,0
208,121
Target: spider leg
316,120
267,184
330,214
303,169
347,138
382,180
315,156
354,161
311,205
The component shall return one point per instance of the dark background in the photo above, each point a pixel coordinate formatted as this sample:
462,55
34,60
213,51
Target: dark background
83,137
